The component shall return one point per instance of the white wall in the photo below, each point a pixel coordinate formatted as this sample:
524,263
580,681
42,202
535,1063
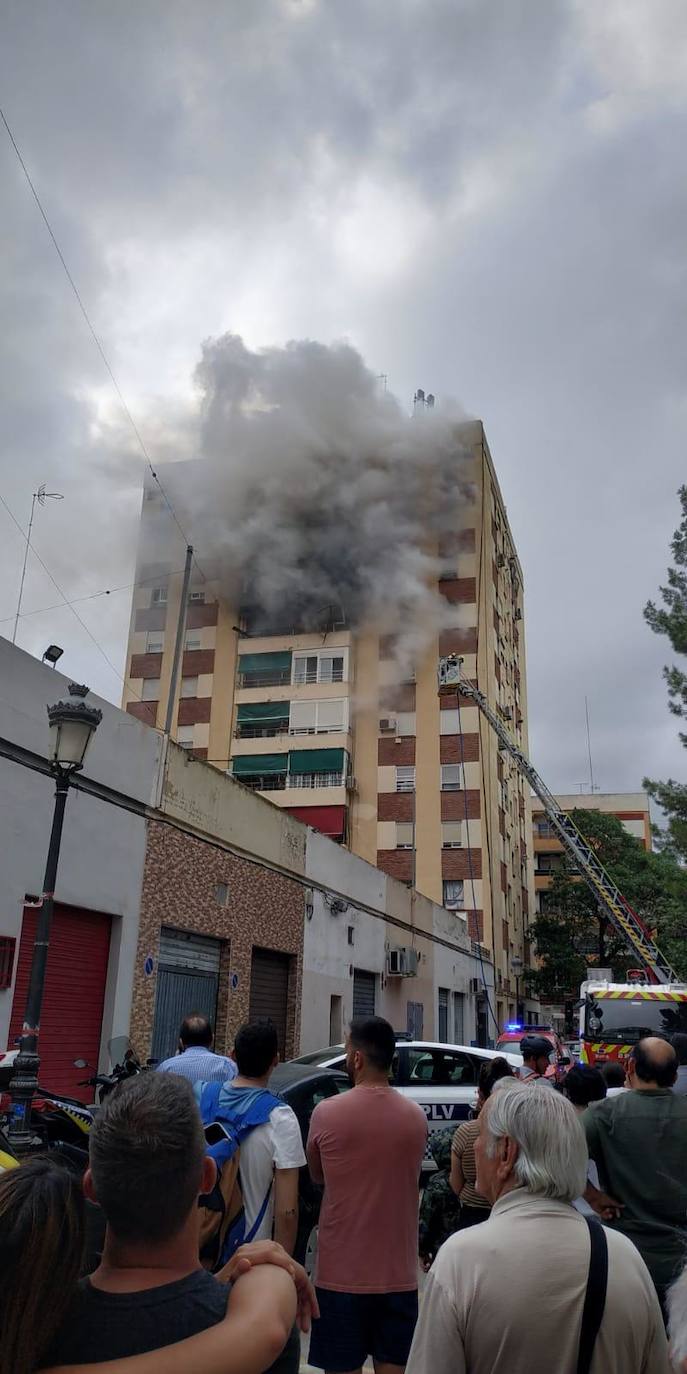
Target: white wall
103,848
327,955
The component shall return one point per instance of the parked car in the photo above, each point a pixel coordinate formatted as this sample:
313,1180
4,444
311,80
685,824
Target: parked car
442,1079
302,1086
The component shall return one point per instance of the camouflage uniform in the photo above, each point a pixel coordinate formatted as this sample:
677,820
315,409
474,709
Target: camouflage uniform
440,1208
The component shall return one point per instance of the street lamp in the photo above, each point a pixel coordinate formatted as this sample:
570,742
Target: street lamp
517,965
71,727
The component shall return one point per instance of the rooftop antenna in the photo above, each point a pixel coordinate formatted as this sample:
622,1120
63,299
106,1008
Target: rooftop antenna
40,496
383,379
589,748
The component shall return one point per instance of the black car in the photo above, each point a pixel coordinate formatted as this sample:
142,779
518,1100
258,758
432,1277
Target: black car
303,1086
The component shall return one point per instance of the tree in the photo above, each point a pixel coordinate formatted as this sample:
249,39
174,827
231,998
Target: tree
571,933
671,620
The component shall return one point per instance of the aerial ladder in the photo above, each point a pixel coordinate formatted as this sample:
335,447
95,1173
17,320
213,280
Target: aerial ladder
609,897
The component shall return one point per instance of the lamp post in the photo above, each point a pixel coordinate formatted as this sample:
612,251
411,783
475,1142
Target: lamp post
71,726
517,965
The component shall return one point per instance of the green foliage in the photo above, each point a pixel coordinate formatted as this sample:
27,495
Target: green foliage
571,934
671,620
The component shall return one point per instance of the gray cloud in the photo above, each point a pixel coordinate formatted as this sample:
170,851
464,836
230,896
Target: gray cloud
485,200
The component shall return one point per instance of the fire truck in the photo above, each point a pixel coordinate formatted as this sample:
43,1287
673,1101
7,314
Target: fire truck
613,1015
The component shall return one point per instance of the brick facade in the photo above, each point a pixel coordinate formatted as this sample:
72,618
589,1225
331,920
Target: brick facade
453,805
395,806
143,710
263,910
459,590
145,665
194,710
461,863
398,863
452,750
401,755
457,642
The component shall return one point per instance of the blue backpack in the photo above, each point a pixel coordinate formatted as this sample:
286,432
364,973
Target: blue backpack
223,1220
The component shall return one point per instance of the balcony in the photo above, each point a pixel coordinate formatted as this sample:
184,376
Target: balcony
268,677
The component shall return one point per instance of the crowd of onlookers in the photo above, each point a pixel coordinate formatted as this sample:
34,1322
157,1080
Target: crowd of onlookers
196,1170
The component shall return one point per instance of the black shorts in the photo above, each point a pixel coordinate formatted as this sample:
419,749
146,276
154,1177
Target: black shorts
354,1325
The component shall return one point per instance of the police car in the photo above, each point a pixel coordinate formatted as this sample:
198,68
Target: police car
442,1079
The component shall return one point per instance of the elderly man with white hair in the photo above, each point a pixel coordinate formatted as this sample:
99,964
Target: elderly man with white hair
507,1297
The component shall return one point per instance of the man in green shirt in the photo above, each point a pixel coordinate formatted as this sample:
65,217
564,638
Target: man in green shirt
638,1141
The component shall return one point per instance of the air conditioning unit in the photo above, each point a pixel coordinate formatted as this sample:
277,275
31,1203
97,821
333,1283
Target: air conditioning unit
401,962
387,725
507,713
500,560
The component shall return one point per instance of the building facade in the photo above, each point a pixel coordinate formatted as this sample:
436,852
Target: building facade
335,730
631,808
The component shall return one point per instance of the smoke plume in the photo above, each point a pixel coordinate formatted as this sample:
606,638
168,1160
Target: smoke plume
320,500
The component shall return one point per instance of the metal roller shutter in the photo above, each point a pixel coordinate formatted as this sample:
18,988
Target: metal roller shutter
187,980
364,992
72,1015
269,990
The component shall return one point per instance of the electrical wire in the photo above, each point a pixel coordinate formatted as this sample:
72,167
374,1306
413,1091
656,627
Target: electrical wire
461,743
35,763
96,340
66,602
92,596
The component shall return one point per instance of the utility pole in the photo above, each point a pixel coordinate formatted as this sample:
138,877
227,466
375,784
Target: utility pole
179,643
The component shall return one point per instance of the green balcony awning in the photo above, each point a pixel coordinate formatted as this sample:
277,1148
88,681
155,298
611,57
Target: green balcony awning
261,712
317,761
246,764
264,663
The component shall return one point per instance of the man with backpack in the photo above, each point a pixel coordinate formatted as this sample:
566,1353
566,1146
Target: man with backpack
256,1142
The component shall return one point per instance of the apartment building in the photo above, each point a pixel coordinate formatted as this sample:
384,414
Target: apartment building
332,728
631,808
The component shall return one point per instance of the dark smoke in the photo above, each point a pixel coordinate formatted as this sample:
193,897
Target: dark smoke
320,501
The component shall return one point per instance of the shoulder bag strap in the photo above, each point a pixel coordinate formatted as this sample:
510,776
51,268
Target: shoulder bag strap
595,1296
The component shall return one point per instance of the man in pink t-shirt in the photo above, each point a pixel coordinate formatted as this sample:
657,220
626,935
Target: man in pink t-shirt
367,1147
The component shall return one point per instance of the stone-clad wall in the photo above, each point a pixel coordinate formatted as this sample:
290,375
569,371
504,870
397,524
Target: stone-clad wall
262,909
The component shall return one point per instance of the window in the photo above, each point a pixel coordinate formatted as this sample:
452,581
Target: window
405,835
317,780
189,687
451,834
405,779
549,863
319,667
454,893
265,670
439,1068
449,722
192,640
151,689
442,1018
158,596
154,642
318,717
545,830
221,894
405,723
184,736
451,777
196,596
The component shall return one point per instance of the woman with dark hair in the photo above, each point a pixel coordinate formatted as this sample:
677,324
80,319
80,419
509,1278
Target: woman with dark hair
473,1207
42,1233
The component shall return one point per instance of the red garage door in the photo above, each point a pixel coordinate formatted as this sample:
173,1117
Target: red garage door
72,1014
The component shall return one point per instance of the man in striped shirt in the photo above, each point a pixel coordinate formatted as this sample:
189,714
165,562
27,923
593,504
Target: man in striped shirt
195,1059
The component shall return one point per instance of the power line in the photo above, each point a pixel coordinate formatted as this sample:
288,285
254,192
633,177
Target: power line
91,596
65,600
37,764
96,340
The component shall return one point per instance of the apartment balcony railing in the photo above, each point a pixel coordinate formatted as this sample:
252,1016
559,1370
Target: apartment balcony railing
271,677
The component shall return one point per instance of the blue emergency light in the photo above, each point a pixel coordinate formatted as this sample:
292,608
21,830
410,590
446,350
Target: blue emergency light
513,1026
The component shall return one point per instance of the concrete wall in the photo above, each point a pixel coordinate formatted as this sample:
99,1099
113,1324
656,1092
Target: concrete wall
329,957
103,848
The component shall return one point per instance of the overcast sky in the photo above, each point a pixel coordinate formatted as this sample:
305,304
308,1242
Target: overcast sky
485,197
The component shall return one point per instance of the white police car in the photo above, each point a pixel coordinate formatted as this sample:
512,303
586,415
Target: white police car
442,1079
